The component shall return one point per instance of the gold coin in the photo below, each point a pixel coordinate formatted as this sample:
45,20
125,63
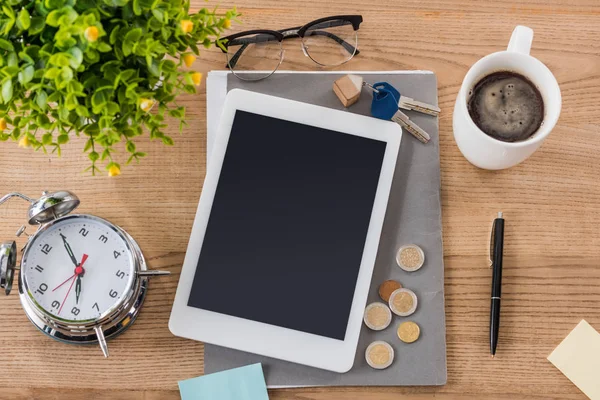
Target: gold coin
379,355
408,331
377,316
410,257
387,288
403,302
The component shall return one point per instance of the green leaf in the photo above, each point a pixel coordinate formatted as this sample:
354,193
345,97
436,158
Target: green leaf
66,74
26,57
47,139
133,35
52,4
82,112
167,140
112,108
6,45
71,102
91,56
37,25
26,75
93,156
116,3
103,47
114,35
13,60
76,57
8,12
159,14
137,10
99,100
127,48
62,139
43,121
60,59
63,114
7,90
130,147
53,19
51,73
41,100
24,20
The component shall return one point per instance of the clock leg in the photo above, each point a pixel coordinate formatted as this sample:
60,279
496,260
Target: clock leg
101,340
153,272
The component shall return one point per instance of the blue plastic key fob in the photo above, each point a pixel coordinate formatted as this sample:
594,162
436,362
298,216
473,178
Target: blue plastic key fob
384,105
387,86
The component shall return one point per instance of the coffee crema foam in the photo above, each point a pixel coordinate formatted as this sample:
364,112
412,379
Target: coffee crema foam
506,106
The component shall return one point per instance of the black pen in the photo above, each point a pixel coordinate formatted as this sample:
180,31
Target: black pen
496,249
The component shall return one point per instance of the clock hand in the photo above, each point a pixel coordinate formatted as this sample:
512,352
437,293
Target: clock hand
67,295
77,289
72,276
78,271
69,250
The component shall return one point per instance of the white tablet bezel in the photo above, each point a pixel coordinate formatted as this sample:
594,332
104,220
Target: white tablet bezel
257,337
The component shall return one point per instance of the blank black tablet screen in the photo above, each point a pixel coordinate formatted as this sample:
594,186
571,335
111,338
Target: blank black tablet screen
288,225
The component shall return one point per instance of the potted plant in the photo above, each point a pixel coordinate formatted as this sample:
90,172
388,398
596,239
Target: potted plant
106,69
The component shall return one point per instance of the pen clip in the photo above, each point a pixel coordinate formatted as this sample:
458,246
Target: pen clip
491,262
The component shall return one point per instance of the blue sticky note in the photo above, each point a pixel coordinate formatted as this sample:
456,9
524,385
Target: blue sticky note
244,383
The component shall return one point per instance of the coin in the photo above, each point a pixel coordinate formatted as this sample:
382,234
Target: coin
408,331
403,302
386,289
377,316
410,257
379,355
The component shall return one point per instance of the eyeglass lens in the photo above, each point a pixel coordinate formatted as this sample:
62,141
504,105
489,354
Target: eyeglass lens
330,43
257,52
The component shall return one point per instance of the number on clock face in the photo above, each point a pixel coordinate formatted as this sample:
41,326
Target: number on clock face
78,269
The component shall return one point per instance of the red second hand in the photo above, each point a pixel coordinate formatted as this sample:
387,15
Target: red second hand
78,271
68,291
72,276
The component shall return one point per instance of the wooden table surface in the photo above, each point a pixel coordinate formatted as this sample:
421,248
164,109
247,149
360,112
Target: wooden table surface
551,202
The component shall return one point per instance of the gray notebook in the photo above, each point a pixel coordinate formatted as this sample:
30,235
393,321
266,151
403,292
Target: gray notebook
413,216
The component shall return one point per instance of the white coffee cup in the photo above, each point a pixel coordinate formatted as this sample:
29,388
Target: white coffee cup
482,150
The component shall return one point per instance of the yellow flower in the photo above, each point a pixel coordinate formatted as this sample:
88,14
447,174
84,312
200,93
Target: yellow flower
188,60
197,78
227,24
24,142
3,124
91,33
114,170
186,25
146,104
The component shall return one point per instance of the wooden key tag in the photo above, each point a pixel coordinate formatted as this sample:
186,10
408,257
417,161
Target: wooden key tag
348,89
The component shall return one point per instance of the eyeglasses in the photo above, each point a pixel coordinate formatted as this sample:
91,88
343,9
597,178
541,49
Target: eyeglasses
327,41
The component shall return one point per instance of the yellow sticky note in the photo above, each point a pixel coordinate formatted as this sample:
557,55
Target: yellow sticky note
578,357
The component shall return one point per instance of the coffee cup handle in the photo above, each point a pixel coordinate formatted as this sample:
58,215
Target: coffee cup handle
520,41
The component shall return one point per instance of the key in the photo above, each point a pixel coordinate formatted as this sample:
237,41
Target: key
385,106
408,103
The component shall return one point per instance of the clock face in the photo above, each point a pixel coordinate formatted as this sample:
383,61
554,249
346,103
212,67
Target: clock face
80,268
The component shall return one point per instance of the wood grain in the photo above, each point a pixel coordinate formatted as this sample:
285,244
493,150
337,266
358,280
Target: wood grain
552,204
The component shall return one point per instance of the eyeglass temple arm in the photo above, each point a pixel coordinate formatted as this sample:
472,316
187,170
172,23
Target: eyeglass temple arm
351,49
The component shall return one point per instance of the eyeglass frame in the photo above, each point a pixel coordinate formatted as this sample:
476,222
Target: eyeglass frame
295,32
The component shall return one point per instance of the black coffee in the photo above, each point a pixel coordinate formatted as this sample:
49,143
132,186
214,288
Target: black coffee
506,106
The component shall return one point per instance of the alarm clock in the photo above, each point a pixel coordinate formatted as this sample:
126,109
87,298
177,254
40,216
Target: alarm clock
82,279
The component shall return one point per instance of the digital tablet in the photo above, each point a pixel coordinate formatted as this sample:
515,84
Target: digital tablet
284,241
